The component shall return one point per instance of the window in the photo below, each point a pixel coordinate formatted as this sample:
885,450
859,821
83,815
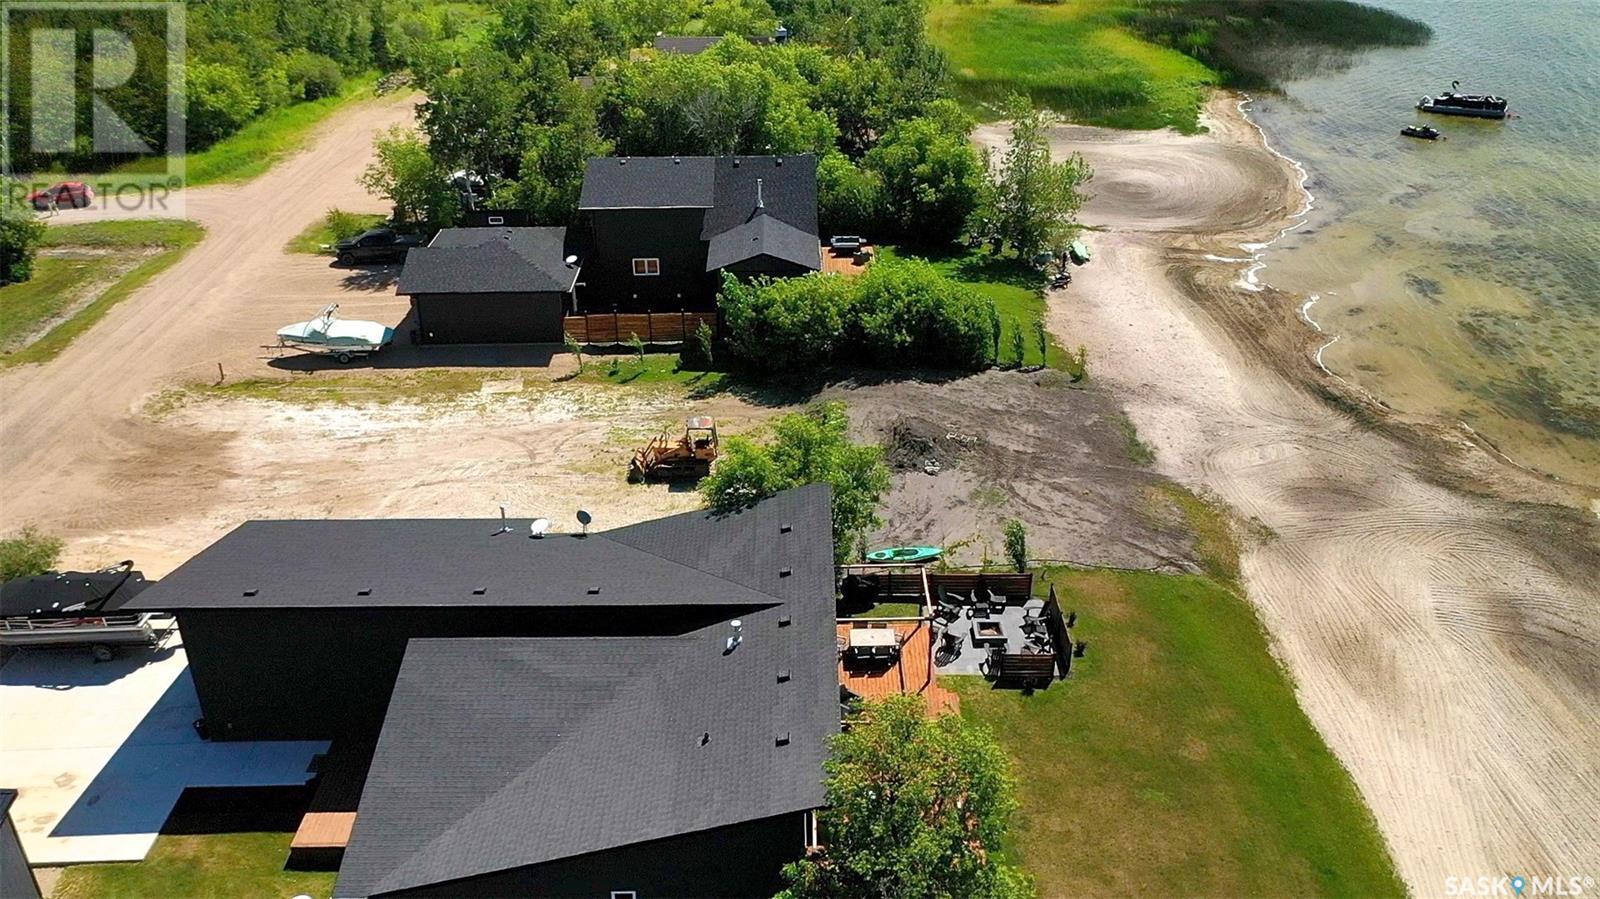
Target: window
643,267
497,220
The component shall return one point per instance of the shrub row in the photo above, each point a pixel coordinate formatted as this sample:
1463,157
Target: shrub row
901,313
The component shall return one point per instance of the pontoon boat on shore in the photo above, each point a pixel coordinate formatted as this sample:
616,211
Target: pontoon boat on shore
78,608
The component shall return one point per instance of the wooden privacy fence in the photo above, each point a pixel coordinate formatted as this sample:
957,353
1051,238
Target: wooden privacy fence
651,327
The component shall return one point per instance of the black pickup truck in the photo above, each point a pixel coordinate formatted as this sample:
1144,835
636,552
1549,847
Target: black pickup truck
377,245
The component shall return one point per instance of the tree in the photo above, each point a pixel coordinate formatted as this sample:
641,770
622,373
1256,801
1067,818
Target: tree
932,177
27,553
1036,200
20,234
915,808
314,76
220,100
1041,338
808,447
407,175
550,174
1016,537
849,198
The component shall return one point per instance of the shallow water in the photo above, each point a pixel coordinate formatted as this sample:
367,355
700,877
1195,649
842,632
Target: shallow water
1460,278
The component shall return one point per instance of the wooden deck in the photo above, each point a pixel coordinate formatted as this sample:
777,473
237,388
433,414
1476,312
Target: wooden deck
324,830
912,674
845,265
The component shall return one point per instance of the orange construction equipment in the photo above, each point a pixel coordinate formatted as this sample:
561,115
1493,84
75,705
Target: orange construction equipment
666,458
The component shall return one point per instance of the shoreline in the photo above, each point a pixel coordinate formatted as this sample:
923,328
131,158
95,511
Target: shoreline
1425,597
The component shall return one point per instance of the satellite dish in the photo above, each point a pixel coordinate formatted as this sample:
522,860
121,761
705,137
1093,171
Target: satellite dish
571,260
538,526
585,519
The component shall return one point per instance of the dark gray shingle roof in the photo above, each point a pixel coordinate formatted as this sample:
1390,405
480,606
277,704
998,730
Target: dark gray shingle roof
444,562
729,188
764,236
649,182
688,45
490,260
505,752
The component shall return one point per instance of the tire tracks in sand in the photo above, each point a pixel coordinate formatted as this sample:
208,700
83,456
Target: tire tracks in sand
1443,640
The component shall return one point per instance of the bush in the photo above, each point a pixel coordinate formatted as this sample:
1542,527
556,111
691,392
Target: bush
785,325
221,100
908,314
27,553
314,76
1016,536
809,447
699,351
901,313
20,234
345,225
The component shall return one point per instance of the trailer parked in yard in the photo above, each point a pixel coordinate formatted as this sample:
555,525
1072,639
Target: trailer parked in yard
78,608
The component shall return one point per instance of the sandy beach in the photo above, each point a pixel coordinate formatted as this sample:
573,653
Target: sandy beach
1435,606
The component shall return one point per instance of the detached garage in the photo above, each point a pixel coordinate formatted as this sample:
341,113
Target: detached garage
490,285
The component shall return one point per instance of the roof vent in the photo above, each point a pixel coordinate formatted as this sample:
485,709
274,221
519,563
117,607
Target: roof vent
479,591
778,161
735,162
364,591
705,738
537,527
785,620
783,738
736,638
250,591
785,572
783,675
594,591
622,161
676,160
760,204
785,528
504,527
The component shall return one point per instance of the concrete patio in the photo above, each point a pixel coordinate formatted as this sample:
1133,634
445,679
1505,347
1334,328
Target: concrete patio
100,752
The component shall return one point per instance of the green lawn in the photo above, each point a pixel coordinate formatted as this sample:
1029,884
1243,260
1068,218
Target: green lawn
27,306
1176,760
620,366
892,610
1074,56
1015,288
213,866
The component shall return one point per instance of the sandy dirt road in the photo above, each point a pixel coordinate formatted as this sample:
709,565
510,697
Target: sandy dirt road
1442,641
65,422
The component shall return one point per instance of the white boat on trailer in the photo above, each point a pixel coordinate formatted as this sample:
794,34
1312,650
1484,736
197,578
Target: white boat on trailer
344,339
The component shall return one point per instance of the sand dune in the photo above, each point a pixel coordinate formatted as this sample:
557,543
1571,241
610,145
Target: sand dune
1442,641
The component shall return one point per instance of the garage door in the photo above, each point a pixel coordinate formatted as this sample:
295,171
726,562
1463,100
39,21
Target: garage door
489,317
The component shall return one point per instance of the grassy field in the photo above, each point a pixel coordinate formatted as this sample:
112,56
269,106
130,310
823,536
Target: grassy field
1075,57
1176,760
620,366
891,610
199,867
25,307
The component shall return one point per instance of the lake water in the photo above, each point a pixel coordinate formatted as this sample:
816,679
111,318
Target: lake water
1460,278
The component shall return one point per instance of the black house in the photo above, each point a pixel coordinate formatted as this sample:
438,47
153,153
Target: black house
490,285
643,710
660,230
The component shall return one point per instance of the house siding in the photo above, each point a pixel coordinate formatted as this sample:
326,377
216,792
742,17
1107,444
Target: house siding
618,236
319,674
741,860
488,317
